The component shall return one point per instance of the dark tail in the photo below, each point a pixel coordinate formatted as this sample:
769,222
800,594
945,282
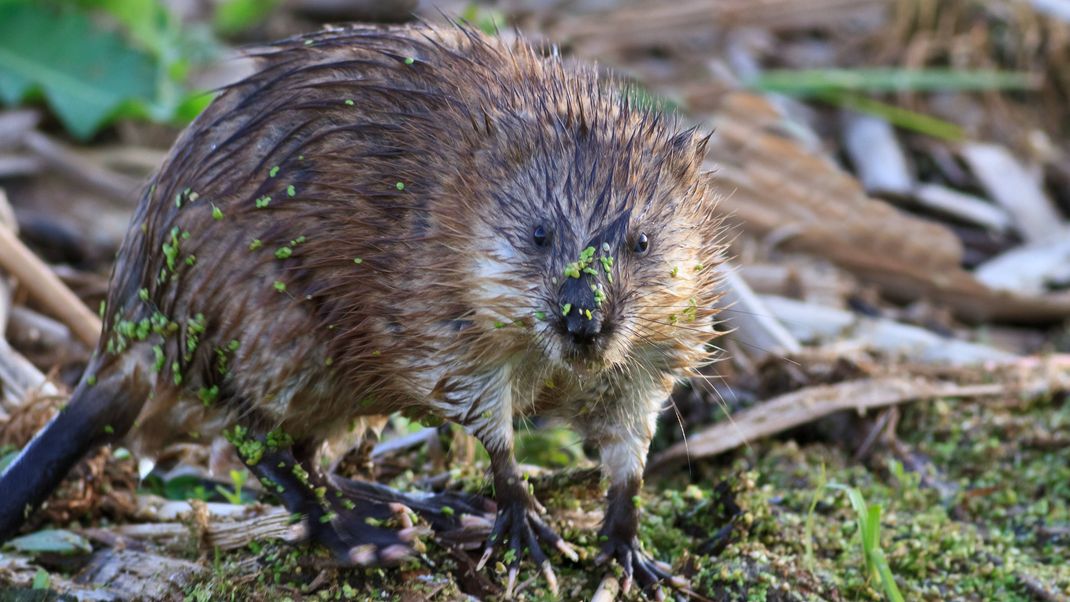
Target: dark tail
96,414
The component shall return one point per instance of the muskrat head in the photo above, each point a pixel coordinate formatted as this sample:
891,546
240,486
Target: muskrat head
596,244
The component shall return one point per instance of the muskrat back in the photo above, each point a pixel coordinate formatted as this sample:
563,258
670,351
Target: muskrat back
418,219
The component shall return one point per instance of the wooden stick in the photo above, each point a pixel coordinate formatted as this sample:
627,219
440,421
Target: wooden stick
806,405
47,288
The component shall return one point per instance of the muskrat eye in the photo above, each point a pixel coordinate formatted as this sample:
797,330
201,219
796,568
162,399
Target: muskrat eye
540,236
642,243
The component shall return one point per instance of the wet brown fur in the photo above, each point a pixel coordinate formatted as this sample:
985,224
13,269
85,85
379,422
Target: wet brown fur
453,127
431,173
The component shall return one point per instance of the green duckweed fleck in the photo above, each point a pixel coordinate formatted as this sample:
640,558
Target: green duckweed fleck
274,171
256,244
263,202
217,213
399,185
283,252
280,286
291,191
157,365
582,265
208,395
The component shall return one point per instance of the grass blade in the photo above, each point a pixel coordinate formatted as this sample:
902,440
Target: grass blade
813,82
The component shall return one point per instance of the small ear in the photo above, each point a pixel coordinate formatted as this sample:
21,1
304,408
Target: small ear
688,151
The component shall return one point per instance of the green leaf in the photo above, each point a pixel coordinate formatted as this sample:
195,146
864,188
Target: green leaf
54,541
235,16
86,75
897,116
41,579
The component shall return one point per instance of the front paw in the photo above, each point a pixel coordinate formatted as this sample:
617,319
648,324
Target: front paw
638,566
520,523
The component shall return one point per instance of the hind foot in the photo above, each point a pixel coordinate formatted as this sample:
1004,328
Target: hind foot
357,530
362,535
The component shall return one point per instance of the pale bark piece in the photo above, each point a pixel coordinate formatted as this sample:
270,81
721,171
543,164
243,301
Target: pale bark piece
877,156
72,164
153,508
139,576
18,377
15,124
1028,268
608,590
800,407
813,324
754,325
1011,185
1060,9
217,532
27,327
652,23
12,166
962,206
47,288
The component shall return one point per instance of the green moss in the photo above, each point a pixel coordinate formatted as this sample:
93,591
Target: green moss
160,358
250,449
581,265
278,439
208,395
195,327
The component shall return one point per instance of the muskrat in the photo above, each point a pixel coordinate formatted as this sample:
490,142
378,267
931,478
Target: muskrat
419,219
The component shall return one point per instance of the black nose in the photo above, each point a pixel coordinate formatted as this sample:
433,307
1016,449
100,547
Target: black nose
581,329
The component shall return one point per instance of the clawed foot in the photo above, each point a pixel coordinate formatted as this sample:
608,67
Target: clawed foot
640,567
364,535
522,526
